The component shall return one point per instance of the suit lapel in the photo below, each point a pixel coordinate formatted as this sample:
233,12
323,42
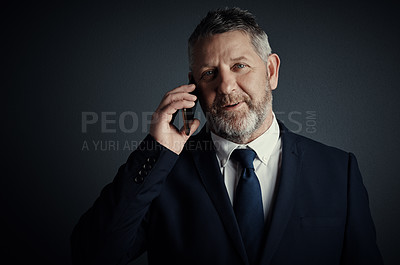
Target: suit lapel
207,166
284,201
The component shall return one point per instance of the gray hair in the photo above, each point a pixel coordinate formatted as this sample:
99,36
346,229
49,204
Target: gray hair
230,19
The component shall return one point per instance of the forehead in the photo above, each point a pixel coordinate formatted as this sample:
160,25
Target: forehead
224,46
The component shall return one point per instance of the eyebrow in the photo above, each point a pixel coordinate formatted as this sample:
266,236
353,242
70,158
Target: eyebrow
243,57
239,58
231,59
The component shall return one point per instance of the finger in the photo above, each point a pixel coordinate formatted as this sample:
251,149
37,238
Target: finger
168,112
179,93
170,98
177,105
193,125
183,88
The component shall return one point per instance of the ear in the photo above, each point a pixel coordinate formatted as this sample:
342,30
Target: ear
273,64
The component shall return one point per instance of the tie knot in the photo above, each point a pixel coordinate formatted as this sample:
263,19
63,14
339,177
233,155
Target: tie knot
245,157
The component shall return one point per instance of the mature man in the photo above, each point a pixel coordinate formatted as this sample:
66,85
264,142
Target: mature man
244,190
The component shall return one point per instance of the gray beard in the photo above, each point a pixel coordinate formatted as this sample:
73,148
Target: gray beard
238,126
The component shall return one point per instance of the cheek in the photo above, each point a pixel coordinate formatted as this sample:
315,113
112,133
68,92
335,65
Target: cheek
249,86
207,96
253,85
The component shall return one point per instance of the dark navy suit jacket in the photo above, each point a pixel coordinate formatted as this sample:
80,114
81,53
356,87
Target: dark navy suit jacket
177,209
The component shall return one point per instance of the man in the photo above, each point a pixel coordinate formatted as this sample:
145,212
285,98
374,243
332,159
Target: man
244,190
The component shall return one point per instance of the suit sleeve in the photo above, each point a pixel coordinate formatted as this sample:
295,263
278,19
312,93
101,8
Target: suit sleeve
360,246
112,231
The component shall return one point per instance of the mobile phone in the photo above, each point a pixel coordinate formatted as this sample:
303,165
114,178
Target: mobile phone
188,113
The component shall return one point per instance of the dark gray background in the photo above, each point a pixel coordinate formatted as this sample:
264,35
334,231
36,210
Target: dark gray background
338,84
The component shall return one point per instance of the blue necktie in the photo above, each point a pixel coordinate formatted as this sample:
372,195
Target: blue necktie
248,205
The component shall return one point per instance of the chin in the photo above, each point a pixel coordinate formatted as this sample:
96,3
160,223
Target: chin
236,129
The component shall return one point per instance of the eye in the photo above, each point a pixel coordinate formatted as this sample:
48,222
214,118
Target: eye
239,66
207,75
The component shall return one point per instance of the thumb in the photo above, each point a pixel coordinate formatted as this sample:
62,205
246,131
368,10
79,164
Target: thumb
194,125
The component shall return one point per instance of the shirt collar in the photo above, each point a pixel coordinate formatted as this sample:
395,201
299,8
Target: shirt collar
262,145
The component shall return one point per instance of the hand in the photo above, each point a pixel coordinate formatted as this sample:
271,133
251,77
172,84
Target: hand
162,129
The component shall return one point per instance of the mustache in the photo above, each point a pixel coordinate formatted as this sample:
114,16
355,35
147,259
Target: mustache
230,99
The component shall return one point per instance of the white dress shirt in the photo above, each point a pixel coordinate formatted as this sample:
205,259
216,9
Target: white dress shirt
267,163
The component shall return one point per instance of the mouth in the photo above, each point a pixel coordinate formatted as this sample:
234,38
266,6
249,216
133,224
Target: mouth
232,106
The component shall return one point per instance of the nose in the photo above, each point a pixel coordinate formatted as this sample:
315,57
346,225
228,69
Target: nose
227,82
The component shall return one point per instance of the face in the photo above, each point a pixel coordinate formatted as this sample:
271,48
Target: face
233,85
